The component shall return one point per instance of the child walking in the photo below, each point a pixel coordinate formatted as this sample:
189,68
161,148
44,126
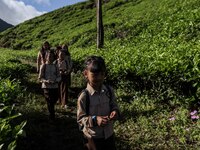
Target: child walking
49,75
41,57
68,58
64,68
97,120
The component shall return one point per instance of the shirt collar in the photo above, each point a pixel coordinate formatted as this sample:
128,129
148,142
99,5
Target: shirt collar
91,90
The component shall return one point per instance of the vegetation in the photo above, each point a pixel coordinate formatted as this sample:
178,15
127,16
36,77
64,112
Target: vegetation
10,128
152,53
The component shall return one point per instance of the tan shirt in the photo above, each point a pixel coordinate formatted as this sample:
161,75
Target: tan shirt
49,72
68,58
63,65
40,59
100,105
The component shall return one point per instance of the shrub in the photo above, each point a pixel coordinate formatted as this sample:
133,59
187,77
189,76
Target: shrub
9,131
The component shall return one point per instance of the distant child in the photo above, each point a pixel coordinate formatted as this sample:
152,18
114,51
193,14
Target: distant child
41,58
69,59
57,51
97,120
64,69
49,75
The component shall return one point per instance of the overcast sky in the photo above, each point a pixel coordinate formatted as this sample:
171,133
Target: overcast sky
17,11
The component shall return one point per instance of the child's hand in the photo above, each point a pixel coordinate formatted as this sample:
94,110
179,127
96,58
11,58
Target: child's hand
113,115
46,81
66,72
51,81
102,120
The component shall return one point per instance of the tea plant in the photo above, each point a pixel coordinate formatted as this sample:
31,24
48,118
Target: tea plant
9,131
10,128
152,55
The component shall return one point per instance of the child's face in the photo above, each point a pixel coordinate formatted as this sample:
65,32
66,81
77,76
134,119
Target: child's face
46,46
95,79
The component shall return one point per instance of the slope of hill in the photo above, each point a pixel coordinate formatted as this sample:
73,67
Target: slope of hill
4,25
152,54
122,20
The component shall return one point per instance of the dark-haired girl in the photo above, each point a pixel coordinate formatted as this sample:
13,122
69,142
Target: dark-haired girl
49,76
97,123
41,57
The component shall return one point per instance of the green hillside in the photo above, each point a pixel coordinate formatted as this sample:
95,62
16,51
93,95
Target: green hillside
130,21
152,51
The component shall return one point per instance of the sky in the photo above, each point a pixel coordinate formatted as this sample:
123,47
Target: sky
18,11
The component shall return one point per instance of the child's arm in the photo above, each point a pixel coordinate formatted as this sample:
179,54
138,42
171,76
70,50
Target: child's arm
115,113
41,76
82,118
58,76
70,63
102,120
38,62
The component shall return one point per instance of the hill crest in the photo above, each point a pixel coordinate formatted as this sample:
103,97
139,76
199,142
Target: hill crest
4,25
125,21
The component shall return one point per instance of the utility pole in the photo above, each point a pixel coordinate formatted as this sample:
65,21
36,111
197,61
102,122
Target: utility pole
100,30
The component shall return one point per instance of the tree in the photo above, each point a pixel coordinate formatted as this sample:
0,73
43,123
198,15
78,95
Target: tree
100,30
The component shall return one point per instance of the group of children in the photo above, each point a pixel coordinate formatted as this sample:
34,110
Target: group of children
54,68
96,106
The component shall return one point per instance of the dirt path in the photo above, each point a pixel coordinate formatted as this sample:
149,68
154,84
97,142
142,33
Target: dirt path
42,133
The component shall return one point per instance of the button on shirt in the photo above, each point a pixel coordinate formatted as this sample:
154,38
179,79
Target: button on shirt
100,105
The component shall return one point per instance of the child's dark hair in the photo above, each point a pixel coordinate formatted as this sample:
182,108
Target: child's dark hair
46,42
95,64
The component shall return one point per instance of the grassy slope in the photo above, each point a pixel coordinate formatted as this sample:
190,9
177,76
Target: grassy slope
40,132
77,24
148,30
64,24
154,43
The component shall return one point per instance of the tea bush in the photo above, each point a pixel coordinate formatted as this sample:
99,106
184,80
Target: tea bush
10,128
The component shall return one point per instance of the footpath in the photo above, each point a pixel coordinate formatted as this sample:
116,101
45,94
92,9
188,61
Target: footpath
42,133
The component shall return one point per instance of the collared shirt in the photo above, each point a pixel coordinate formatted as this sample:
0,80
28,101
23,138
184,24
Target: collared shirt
49,72
68,58
41,58
63,65
100,105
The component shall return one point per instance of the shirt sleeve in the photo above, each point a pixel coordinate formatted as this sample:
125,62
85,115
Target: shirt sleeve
58,76
82,118
70,63
38,62
41,76
113,102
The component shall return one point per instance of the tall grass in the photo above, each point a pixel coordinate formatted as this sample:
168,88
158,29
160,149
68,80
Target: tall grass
152,55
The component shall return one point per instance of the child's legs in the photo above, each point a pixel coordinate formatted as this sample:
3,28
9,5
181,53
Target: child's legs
51,97
64,90
105,144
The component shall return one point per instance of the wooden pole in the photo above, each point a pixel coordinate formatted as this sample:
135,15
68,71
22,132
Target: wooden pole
100,30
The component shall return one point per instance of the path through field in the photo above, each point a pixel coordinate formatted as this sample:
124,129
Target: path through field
42,133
